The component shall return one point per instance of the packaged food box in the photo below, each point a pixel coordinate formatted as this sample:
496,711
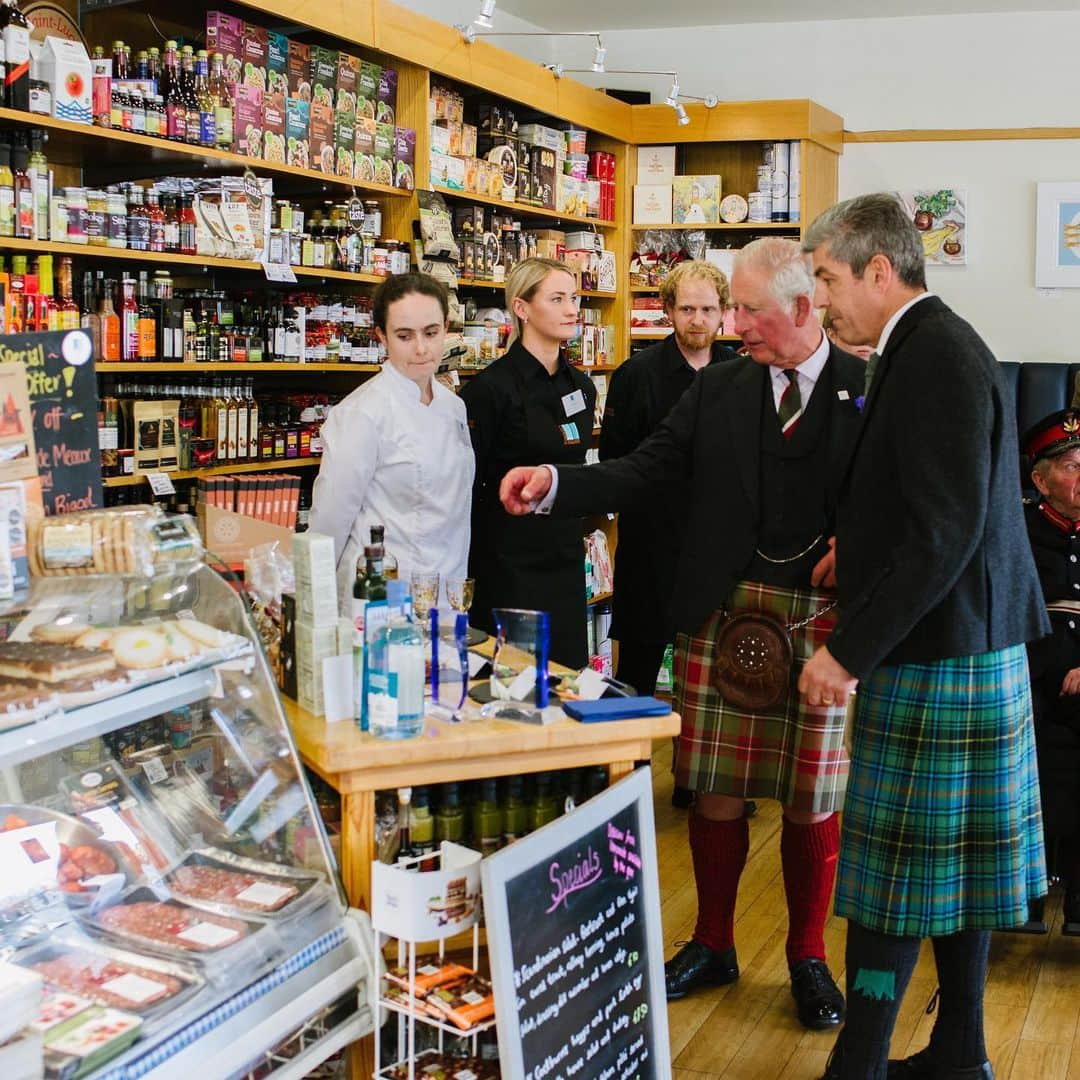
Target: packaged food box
543,173
404,158
348,72
57,1007
447,172
540,135
248,121
364,157
297,133
652,204
323,76
344,144
65,66
367,89
254,56
386,106
277,63
322,137
655,165
696,200
298,70
384,154
89,1040
225,34
274,128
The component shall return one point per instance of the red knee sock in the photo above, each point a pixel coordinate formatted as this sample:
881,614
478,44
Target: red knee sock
719,851
808,856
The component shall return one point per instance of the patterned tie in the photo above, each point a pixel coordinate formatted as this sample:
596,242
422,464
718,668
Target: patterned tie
790,408
871,369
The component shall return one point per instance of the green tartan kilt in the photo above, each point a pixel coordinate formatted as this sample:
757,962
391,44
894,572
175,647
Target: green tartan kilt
942,828
792,752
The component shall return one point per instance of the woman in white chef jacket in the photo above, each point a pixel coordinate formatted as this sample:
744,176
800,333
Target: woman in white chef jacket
396,451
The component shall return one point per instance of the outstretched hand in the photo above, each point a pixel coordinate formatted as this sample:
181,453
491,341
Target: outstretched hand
523,487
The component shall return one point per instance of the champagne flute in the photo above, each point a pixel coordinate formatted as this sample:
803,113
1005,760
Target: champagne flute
425,595
459,591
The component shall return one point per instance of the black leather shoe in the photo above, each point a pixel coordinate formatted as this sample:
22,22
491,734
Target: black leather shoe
921,1066
697,965
1035,924
1070,912
682,798
818,999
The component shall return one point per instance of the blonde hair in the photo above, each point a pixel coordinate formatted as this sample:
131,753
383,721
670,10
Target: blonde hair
696,270
523,281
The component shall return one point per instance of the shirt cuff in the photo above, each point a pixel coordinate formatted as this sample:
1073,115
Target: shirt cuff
548,501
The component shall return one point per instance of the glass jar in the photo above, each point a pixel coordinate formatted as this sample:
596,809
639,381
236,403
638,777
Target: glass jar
283,215
296,244
275,248
379,261
307,250
372,218
97,208
76,205
116,216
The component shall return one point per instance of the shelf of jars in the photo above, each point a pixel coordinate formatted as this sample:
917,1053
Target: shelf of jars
272,465
522,208
72,143
753,226
256,368
172,258
500,286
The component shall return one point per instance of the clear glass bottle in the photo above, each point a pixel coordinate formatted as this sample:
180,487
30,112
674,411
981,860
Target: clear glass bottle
207,131
221,95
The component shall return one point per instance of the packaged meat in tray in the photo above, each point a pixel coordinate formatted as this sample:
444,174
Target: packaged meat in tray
170,927
113,977
221,881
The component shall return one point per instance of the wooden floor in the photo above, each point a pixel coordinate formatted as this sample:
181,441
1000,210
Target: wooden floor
748,1030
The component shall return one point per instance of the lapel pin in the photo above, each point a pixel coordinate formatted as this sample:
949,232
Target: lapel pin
843,395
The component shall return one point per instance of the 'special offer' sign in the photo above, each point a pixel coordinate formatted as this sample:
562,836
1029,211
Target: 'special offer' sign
574,938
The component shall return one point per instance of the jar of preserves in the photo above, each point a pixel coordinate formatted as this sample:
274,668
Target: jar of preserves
76,207
117,218
97,206
372,218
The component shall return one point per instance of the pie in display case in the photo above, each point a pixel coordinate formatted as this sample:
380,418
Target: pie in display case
163,865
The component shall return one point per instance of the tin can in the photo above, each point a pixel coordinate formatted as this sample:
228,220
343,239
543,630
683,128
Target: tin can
760,203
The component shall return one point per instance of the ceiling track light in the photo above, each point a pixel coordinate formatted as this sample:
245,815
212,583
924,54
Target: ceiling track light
680,112
470,34
487,12
599,56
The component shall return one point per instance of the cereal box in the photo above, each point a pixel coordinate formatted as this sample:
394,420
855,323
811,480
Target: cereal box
364,157
225,34
348,72
254,56
322,137
274,128
384,154
367,89
297,133
323,76
404,158
277,64
345,144
696,200
386,103
248,121
298,70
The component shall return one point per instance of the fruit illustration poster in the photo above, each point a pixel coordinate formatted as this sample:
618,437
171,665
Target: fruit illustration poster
940,215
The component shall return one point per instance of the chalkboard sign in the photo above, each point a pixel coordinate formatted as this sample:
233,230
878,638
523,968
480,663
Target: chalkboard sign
64,404
574,938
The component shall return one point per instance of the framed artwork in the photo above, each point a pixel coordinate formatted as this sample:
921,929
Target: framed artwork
940,215
1057,236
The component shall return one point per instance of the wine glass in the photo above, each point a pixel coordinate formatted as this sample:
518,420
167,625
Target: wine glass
425,595
459,592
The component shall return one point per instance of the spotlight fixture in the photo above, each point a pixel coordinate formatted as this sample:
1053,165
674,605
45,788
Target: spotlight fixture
673,94
598,57
555,69
487,11
680,112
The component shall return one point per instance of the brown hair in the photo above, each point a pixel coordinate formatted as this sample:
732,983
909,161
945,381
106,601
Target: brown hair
401,285
524,279
696,270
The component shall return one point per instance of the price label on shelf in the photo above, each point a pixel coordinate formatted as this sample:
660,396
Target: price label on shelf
160,483
279,272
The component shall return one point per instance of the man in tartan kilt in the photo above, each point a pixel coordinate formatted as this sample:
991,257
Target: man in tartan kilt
761,442
942,833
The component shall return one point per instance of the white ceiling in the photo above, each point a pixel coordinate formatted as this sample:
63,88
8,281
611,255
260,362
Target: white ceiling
648,14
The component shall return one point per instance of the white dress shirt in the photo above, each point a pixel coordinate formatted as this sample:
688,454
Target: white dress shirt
896,316
390,460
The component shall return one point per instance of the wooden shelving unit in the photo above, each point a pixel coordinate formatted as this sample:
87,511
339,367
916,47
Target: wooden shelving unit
744,226
500,286
153,368
524,209
276,465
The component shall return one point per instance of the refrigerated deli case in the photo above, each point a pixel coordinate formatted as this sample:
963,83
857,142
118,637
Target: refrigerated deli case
163,865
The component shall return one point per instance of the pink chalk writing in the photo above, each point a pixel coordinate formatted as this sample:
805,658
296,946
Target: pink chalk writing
584,873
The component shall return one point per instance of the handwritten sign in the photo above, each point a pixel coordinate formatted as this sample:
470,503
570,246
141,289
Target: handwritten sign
63,403
574,935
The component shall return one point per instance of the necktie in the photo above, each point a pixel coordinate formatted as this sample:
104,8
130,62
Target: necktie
871,368
790,404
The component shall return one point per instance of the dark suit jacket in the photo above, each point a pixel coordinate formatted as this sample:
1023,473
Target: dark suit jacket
933,559
711,438
644,389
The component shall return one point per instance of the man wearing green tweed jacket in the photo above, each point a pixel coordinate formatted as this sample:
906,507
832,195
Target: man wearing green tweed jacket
942,833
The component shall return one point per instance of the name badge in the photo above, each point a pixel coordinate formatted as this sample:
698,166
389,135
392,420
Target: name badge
570,433
573,403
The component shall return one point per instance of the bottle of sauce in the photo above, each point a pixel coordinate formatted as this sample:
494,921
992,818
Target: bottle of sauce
450,817
186,222
515,814
24,194
68,309
7,192
129,321
15,31
422,828
487,819
545,806
110,324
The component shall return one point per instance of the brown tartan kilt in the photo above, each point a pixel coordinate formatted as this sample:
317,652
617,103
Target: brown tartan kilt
791,752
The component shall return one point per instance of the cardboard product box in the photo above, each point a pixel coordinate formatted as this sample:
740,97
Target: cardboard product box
468,140
316,582
345,144
298,70
607,276
231,536
384,154
386,104
440,137
447,172
584,240
65,66
540,135
348,73
696,200
367,89
655,165
323,75
256,44
248,121
13,519
570,195
18,455
652,204
550,243
274,128
404,158
592,198
607,200
225,34
277,64
322,137
298,133
544,175
364,155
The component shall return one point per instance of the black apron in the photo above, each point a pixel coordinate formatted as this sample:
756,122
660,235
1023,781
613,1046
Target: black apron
535,561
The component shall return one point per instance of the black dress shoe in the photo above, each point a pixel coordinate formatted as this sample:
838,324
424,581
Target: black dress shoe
682,798
921,1066
1070,912
818,999
1035,924
697,965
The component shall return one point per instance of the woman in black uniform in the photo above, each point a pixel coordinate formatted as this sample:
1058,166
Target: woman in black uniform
531,407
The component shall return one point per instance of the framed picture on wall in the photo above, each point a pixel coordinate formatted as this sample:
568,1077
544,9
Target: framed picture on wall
1057,236
940,215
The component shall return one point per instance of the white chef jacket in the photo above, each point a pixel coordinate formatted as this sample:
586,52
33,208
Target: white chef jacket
390,460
